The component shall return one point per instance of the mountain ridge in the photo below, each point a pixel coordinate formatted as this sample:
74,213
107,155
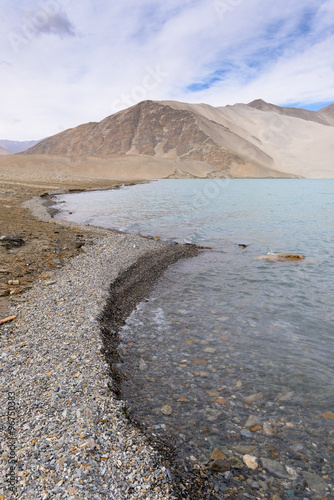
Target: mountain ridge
17,146
304,114
258,136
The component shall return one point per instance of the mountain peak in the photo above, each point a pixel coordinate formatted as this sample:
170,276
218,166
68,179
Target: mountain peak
222,141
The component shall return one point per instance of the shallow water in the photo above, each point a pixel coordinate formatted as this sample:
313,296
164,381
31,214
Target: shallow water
224,325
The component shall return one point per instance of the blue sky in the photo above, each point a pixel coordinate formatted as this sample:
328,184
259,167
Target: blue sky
65,62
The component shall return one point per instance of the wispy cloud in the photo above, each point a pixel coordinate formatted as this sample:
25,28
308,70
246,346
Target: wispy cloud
79,63
58,25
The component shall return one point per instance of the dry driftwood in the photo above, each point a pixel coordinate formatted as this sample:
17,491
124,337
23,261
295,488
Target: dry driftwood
2,321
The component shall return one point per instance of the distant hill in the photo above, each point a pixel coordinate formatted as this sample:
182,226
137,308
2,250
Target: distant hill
17,146
256,139
303,114
4,151
327,113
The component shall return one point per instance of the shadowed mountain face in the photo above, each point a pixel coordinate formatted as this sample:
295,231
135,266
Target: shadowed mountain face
255,140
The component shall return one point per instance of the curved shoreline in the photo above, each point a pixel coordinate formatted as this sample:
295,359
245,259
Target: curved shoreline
67,419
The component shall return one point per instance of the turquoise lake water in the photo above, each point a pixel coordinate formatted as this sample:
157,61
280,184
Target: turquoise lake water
225,321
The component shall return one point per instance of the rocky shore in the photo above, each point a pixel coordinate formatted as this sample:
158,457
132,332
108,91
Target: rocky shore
70,434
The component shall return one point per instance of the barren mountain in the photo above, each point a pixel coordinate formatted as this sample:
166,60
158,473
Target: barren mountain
303,114
17,146
327,113
255,140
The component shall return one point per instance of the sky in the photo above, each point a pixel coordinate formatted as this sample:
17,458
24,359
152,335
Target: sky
67,62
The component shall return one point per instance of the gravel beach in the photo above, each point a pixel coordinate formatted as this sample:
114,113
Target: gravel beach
70,435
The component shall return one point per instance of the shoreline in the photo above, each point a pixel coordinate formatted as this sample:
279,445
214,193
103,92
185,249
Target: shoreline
31,333
131,286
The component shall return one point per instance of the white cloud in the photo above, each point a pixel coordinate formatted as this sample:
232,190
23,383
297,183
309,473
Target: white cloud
82,61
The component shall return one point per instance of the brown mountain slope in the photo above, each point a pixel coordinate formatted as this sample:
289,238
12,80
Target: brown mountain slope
199,140
158,130
303,114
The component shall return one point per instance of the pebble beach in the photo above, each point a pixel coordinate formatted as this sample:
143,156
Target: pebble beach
71,437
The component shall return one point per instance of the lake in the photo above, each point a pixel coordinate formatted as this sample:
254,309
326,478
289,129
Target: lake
225,326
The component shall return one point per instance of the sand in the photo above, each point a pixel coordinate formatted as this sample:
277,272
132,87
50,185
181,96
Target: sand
288,144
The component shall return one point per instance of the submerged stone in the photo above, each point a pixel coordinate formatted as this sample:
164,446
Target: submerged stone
275,468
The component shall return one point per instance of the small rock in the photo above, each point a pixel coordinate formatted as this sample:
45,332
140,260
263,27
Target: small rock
292,472
244,449
217,454
213,393
167,410
199,361
286,396
253,484
329,415
11,241
251,421
182,399
235,463
220,465
267,429
253,398
275,468
246,434
221,401
89,444
142,365
50,282
255,428
250,461
315,483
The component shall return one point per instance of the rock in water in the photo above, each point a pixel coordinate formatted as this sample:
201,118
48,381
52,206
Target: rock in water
275,468
253,398
281,257
315,483
329,415
142,365
167,410
220,465
250,461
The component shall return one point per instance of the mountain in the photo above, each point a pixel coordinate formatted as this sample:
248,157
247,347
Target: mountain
254,140
327,113
303,114
17,146
4,151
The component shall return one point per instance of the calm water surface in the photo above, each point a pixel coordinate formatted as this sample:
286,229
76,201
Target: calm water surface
224,325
